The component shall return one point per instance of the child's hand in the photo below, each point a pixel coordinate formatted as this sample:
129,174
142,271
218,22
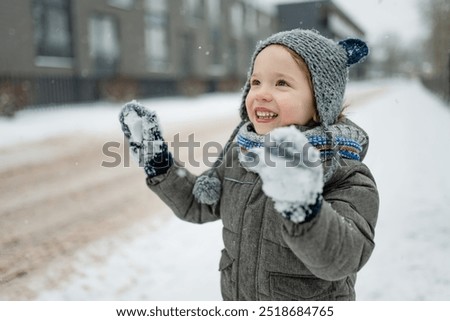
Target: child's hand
292,174
147,146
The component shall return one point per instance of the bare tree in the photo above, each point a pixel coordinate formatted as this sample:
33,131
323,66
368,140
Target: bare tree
437,14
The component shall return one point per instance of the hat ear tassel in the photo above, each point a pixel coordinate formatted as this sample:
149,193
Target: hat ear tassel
356,50
207,189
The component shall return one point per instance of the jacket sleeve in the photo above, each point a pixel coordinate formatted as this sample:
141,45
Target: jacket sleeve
175,190
340,239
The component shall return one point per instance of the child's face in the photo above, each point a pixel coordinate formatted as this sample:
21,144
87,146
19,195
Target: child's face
280,92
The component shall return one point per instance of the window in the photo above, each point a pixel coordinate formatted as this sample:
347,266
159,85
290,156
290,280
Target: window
237,20
187,47
52,31
233,59
214,14
156,34
251,20
104,49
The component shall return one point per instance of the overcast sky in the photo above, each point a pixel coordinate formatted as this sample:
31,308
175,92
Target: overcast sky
378,18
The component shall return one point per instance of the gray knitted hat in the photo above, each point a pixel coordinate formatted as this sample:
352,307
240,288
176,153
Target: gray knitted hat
327,62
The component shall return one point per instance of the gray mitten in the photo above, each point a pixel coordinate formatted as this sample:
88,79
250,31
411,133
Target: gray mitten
147,146
292,174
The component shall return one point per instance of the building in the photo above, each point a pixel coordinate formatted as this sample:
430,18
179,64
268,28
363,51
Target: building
327,18
60,51
323,15
64,51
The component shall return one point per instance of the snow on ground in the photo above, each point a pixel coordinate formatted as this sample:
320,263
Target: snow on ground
35,124
166,261
173,260
409,130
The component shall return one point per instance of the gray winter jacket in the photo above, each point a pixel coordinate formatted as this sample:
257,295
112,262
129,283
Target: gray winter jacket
267,257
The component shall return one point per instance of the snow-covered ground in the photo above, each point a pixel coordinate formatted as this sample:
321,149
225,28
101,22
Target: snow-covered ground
409,129
35,124
173,260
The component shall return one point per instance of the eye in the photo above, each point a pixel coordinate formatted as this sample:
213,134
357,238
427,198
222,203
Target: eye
255,82
282,82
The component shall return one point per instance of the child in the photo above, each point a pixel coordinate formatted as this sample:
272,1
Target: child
297,204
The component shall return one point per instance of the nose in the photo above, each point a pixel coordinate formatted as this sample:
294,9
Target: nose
263,94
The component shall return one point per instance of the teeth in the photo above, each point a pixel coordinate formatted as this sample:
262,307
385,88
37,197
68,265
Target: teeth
265,114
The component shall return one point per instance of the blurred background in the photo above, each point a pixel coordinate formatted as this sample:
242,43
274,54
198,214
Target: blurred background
76,219
62,51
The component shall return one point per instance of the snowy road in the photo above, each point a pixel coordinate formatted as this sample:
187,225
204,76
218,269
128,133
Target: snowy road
57,198
408,128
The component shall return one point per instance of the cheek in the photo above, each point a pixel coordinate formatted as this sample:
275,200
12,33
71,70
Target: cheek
289,116
295,114
288,108
248,103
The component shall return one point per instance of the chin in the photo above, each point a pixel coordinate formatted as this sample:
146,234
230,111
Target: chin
263,130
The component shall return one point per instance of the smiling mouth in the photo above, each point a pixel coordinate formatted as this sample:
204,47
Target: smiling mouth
265,115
